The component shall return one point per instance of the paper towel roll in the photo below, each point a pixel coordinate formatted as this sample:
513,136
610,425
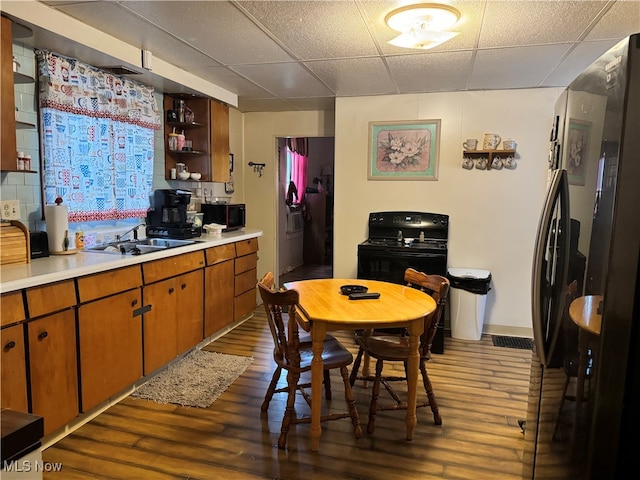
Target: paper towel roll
57,221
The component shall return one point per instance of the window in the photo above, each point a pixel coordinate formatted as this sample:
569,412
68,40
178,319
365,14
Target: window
97,140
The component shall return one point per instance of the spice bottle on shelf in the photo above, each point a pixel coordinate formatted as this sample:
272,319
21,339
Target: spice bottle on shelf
20,160
181,140
27,162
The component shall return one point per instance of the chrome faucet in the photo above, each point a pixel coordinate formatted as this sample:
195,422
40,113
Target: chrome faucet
134,230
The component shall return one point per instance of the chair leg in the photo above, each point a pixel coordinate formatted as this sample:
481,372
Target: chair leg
327,385
356,367
564,396
289,413
351,403
437,419
366,373
375,393
272,388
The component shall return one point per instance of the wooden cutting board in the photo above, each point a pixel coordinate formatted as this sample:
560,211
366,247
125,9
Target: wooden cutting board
14,243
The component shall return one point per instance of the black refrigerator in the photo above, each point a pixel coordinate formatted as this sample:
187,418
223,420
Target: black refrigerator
589,231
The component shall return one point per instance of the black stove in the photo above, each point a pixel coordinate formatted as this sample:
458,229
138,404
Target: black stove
401,240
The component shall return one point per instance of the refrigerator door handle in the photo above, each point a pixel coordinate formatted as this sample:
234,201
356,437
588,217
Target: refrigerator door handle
558,191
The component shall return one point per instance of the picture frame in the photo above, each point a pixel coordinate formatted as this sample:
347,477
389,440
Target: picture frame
405,150
577,153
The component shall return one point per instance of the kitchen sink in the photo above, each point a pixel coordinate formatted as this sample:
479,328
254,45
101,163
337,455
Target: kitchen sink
139,247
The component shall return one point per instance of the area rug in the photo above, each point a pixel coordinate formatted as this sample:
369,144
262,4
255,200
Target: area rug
512,342
196,380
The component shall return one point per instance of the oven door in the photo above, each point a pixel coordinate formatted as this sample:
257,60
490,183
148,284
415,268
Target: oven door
389,264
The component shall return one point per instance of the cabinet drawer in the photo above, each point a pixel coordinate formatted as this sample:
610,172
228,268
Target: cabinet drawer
244,304
220,253
11,308
14,369
246,247
172,266
50,298
105,284
245,281
248,262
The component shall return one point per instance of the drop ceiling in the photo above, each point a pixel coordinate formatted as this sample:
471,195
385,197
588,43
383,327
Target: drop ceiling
301,55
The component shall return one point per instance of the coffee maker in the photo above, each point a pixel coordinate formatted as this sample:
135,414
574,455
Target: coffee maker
168,217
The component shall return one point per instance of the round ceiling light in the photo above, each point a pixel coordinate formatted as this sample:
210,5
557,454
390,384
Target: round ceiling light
425,16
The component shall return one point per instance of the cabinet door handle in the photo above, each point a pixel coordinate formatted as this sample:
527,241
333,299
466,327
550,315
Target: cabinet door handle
184,285
43,335
171,290
10,345
134,303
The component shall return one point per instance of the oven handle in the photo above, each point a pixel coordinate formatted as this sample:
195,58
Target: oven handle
394,253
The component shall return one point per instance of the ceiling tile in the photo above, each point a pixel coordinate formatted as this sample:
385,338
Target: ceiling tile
229,80
315,29
536,22
622,19
215,27
284,79
492,68
579,58
433,72
356,76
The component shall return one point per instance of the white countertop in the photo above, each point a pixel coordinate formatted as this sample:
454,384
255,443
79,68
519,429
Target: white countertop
56,268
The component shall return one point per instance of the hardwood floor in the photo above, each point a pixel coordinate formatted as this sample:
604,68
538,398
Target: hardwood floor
481,389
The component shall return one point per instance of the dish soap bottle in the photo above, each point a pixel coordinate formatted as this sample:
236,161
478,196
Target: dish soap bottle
422,236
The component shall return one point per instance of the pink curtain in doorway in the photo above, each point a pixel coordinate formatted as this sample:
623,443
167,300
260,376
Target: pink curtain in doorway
299,150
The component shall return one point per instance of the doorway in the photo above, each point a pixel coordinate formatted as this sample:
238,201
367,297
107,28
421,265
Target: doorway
305,212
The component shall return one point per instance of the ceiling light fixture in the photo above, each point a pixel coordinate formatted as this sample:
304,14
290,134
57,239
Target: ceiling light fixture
422,25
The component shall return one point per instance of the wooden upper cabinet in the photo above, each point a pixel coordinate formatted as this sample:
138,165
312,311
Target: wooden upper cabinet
220,141
7,100
208,132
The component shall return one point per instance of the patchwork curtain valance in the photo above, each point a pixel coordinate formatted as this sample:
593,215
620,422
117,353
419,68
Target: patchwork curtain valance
97,137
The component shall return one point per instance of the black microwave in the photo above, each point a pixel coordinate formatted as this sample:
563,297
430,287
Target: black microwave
231,215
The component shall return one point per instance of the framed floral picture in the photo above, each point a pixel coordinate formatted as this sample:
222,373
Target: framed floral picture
404,150
578,148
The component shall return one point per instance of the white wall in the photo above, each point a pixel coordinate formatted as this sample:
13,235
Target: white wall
493,214
261,131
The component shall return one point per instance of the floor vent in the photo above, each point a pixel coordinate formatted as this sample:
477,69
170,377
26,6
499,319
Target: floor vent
512,342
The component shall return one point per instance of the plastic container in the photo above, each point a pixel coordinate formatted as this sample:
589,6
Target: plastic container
468,299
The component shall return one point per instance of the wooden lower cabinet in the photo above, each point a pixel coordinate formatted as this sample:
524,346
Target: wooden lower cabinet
54,369
218,303
14,369
190,310
110,339
246,278
175,322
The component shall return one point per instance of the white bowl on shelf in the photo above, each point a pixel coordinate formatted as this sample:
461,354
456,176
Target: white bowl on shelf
184,175
196,176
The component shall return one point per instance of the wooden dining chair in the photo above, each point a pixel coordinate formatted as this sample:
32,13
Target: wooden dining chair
394,347
570,357
294,356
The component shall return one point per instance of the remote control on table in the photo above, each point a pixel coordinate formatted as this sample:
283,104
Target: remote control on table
363,296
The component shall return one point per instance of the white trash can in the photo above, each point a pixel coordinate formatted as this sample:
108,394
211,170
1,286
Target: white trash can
467,301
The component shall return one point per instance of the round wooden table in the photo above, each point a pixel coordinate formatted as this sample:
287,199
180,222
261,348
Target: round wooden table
585,312
323,308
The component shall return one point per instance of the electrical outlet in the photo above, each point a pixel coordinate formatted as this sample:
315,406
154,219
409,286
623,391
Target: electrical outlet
10,209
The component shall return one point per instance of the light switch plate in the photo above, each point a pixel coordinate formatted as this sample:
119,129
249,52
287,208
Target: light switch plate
10,209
